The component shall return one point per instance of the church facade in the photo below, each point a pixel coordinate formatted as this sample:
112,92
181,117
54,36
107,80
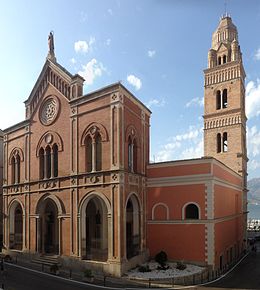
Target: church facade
78,184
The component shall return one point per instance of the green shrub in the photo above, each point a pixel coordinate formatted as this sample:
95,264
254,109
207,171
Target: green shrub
161,259
88,273
181,266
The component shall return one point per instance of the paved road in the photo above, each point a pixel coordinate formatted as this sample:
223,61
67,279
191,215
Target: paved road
245,276
21,279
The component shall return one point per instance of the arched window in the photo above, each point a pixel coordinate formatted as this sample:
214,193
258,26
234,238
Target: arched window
55,160
98,152
224,58
134,156
218,143
41,159
48,161
13,169
191,211
225,142
93,152
130,154
88,154
18,168
219,60
224,99
218,100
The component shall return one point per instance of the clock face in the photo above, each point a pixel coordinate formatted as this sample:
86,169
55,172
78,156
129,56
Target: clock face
49,110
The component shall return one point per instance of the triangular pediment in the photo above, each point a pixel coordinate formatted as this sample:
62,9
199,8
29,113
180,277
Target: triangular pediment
52,74
222,48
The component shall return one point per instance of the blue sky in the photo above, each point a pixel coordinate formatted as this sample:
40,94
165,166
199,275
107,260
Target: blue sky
156,48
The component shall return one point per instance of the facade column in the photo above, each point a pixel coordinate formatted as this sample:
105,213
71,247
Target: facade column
79,232
38,234
60,235
24,232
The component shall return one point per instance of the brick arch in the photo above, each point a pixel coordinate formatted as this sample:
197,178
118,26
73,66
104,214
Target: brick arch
132,133
59,204
160,204
49,138
13,204
88,196
92,130
16,151
184,209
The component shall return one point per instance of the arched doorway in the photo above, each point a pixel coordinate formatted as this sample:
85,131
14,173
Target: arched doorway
16,227
50,230
94,233
132,227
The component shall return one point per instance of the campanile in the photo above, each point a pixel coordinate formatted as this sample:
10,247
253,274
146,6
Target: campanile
224,96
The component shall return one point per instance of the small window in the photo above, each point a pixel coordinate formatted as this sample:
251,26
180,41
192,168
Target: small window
18,161
218,143
13,170
225,142
224,58
192,211
224,99
134,156
98,153
89,154
48,162
41,165
219,60
55,160
130,154
218,100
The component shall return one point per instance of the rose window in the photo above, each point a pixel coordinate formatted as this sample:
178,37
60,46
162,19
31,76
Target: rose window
49,111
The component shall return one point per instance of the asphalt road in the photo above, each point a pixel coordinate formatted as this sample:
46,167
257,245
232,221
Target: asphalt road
17,278
245,276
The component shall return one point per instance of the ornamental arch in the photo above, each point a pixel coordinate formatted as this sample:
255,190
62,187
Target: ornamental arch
94,218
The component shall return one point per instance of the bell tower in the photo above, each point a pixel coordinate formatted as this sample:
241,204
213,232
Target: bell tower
224,96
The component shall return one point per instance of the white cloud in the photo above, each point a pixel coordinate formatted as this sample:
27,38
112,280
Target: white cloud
151,53
183,146
195,102
73,60
108,41
134,81
257,54
253,164
83,46
155,103
110,11
92,70
253,99
253,141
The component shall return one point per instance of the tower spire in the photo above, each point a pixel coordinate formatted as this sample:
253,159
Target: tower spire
51,54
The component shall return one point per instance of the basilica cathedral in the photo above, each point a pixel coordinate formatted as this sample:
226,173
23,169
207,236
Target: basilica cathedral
78,185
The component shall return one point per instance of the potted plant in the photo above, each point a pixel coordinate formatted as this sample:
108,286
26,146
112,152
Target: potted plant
88,275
